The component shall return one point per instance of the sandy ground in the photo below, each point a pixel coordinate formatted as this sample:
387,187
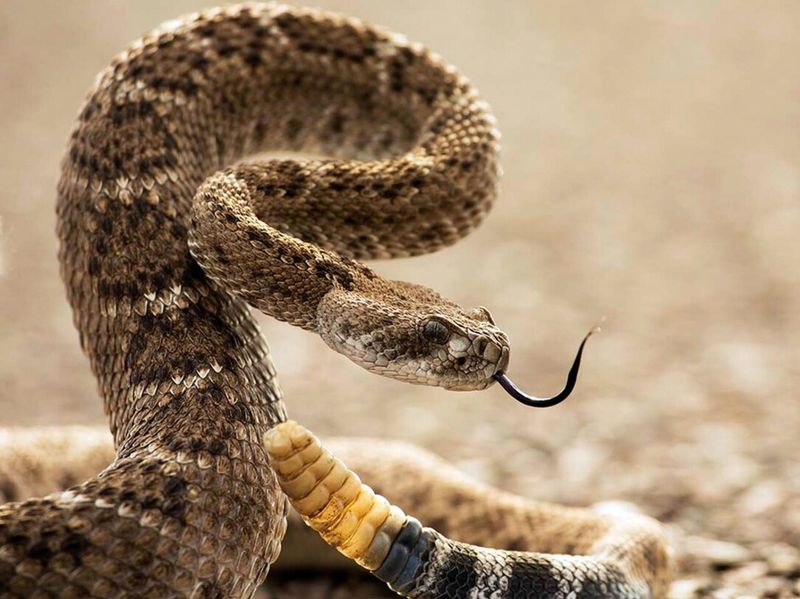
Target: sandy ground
651,156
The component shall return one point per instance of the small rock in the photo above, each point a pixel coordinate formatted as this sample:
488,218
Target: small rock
771,586
783,560
689,588
763,497
719,553
731,593
746,574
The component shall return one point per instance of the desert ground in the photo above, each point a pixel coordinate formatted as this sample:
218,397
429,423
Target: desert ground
651,156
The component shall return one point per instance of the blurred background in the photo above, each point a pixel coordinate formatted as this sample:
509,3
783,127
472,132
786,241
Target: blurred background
651,156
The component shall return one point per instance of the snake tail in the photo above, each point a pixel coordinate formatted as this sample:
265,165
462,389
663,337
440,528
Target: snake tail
332,499
419,562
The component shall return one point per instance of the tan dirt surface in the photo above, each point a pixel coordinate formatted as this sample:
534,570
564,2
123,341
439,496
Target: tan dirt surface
652,174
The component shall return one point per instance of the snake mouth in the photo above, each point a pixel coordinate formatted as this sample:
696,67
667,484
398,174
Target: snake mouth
488,375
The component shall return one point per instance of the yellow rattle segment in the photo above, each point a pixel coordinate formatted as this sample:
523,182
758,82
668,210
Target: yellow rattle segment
331,498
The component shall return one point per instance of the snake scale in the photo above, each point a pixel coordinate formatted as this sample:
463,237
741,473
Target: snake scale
164,239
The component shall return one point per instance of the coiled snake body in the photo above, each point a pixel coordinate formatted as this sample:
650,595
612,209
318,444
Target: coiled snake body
190,506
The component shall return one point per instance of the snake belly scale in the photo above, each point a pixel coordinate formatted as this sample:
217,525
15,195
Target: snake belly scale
165,239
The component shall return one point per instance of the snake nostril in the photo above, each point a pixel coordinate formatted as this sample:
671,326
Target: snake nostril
480,345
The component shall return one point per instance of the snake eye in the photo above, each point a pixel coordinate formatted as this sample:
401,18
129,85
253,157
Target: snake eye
435,332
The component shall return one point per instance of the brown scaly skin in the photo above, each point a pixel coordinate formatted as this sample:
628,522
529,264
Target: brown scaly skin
190,506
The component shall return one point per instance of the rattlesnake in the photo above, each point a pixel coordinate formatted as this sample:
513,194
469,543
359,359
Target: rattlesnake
190,505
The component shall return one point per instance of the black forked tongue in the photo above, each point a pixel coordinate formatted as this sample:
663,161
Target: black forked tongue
546,402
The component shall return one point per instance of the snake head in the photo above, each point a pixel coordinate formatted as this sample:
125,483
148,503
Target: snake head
464,349
410,333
